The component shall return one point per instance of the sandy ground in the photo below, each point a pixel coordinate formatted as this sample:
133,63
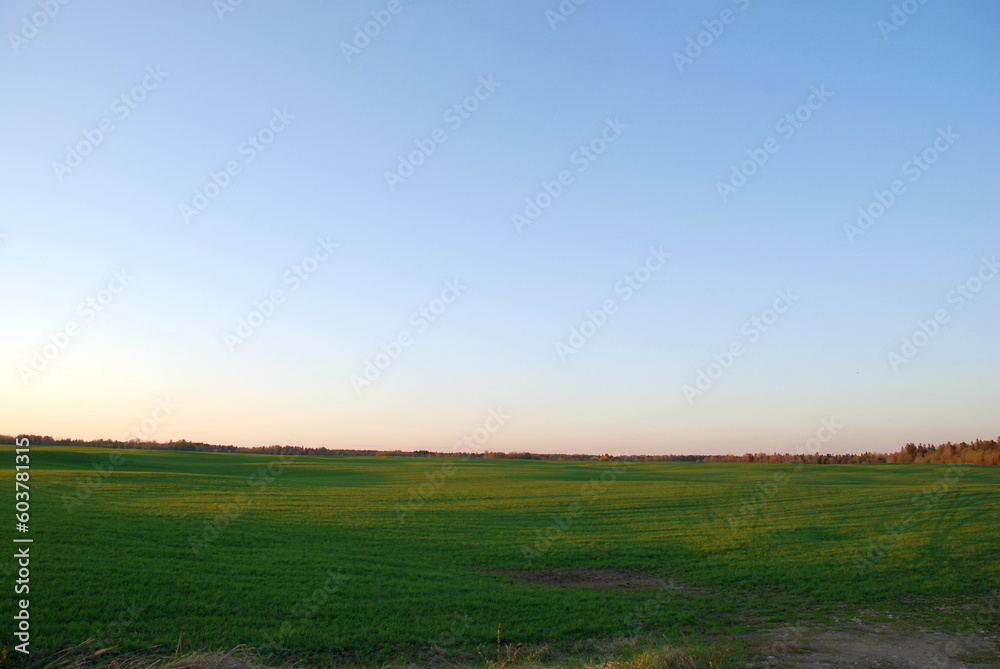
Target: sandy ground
882,646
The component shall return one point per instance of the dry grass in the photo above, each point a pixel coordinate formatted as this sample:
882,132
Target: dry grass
80,657
621,653
668,657
509,655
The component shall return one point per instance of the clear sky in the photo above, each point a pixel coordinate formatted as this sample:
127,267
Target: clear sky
410,223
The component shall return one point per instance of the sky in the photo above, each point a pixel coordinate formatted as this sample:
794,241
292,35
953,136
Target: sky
588,227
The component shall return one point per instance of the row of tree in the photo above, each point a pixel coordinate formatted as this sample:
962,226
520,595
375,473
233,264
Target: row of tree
184,445
978,452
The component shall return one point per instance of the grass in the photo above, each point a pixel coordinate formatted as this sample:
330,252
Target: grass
307,559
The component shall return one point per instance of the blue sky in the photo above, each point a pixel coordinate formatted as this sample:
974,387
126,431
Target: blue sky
202,84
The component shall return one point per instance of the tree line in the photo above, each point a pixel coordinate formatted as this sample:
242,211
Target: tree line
978,452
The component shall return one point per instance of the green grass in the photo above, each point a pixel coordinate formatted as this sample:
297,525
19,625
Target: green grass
320,549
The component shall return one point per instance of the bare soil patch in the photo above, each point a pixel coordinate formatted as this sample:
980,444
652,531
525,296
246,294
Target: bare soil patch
609,578
883,646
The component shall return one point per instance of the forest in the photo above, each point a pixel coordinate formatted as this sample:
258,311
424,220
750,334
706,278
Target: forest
978,452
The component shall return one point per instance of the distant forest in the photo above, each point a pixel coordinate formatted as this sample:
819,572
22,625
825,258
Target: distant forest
978,452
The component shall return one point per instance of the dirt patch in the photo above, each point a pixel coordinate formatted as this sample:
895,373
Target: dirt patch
595,579
812,648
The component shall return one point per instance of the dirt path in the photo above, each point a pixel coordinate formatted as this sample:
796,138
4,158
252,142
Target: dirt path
595,579
883,646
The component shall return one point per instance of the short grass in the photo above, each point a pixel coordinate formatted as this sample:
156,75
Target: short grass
314,564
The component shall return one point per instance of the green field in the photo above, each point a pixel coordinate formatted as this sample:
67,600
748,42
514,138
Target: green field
334,560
